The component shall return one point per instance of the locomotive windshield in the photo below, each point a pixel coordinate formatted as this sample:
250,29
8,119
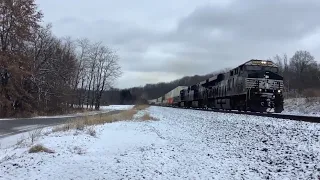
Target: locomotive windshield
262,74
252,68
261,71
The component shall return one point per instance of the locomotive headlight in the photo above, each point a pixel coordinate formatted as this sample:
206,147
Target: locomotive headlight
279,91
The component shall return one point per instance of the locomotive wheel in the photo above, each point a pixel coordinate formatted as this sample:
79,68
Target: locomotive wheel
244,109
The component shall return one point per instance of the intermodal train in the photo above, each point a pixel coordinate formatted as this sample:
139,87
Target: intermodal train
255,85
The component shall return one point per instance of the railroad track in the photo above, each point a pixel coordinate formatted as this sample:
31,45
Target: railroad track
312,119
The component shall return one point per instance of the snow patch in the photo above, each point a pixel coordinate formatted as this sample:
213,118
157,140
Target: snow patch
183,144
302,106
117,107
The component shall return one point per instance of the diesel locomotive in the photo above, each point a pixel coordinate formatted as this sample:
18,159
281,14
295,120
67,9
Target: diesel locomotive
252,86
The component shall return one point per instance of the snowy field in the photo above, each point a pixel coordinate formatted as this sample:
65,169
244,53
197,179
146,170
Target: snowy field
181,144
302,106
116,107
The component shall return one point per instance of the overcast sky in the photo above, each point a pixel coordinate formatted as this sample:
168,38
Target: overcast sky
168,39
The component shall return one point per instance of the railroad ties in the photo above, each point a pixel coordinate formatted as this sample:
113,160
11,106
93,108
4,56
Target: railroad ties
304,118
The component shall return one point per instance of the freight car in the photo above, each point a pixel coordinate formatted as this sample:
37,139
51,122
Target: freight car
253,86
171,98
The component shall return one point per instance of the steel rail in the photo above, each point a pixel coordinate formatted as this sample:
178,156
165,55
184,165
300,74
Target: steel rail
304,118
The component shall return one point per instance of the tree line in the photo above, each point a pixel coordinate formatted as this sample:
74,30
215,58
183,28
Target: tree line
41,73
137,95
301,79
301,74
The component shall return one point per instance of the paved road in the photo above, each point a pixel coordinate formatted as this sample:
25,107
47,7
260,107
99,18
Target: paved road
11,127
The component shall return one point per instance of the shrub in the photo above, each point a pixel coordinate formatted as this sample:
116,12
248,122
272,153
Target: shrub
40,148
91,131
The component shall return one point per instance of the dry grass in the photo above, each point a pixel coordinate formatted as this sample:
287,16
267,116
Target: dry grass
81,123
40,148
125,115
147,117
141,107
35,134
65,127
21,141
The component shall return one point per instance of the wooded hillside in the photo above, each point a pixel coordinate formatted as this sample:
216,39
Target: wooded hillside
149,91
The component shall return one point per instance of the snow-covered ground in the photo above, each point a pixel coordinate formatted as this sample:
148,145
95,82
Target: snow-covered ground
116,107
181,144
302,106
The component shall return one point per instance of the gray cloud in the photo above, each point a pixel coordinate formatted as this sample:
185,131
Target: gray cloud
161,42
275,20
243,30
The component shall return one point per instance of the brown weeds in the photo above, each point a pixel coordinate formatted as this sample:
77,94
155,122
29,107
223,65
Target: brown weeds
91,131
141,107
40,148
81,123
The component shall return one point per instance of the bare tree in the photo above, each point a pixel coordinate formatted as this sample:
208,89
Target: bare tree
92,66
109,71
301,73
41,52
301,64
282,62
82,56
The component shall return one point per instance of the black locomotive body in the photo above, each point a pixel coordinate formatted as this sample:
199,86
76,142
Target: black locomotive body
253,86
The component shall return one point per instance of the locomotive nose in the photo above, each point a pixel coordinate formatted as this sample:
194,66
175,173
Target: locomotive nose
264,85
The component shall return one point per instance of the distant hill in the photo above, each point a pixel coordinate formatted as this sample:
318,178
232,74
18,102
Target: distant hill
150,91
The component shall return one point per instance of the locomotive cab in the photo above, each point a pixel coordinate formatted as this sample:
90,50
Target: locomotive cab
264,86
